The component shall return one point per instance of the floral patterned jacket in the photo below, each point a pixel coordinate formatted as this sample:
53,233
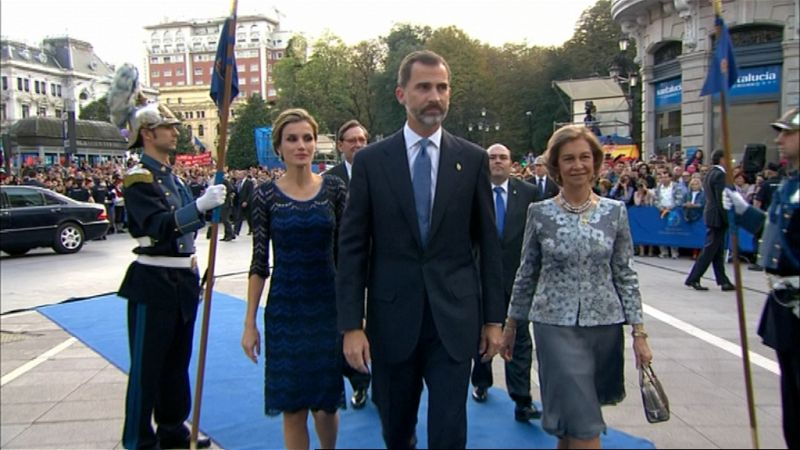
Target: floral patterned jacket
576,268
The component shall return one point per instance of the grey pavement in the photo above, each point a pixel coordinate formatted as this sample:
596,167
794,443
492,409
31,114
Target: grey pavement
74,398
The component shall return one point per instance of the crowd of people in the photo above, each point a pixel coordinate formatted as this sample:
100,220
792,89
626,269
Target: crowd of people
415,263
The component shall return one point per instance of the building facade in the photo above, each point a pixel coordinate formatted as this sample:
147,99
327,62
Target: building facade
182,53
60,75
198,112
674,40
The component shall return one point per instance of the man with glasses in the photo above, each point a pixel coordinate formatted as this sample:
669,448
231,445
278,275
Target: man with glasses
547,187
352,137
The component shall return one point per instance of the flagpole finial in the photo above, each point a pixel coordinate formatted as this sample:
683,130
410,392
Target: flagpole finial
718,7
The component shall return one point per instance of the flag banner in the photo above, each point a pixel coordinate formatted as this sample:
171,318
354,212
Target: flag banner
199,144
222,61
722,73
203,159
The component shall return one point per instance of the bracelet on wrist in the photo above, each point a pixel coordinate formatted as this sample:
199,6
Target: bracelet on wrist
639,333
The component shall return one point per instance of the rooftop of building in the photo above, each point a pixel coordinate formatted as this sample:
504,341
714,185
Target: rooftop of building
206,22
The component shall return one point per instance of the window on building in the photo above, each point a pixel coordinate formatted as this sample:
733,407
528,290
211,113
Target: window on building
168,83
201,114
154,60
156,84
58,90
41,111
53,89
189,129
189,115
167,73
155,74
5,83
19,83
26,111
200,131
198,81
27,83
3,112
253,67
167,58
240,68
198,70
279,55
58,113
36,86
254,80
180,83
179,72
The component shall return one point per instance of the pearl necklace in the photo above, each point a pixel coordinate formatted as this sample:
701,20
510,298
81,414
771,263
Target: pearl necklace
580,209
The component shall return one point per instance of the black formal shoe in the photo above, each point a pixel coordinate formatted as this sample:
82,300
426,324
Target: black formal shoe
696,286
226,239
202,442
359,398
480,394
526,413
755,267
727,287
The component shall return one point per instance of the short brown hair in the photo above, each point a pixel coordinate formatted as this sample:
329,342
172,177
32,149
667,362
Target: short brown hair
425,57
567,134
286,117
347,126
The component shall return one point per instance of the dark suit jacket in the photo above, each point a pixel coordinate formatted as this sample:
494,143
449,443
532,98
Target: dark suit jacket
551,189
340,170
379,231
520,195
246,192
713,185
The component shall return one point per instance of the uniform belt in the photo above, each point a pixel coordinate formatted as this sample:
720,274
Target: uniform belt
776,282
172,262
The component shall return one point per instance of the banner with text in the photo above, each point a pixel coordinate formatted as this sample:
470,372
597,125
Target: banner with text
669,92
203,159
649,228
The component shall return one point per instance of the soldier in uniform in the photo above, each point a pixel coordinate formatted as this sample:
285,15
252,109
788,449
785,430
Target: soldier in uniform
780,256
162,285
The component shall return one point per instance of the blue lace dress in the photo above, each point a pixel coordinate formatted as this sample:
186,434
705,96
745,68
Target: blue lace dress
302,346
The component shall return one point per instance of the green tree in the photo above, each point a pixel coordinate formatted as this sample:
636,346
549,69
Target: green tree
96,110
242,144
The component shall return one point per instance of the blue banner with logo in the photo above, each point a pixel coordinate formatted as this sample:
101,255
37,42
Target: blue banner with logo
760,80
668,92
649,228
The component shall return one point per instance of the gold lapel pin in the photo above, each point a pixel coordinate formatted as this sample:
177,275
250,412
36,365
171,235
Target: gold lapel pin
458,166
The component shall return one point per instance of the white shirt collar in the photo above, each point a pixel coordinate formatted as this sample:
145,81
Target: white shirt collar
349,168
504,185
412,138
720,167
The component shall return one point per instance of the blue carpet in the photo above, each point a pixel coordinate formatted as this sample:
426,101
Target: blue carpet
234,387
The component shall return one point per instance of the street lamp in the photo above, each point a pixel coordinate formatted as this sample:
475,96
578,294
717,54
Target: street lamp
529,114
483,125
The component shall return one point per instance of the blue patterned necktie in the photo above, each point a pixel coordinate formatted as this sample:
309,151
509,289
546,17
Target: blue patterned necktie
422,190
499,210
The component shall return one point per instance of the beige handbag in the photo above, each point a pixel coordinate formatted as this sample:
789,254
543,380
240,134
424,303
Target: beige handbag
655,401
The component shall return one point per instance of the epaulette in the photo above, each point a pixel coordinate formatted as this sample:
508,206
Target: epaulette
137,174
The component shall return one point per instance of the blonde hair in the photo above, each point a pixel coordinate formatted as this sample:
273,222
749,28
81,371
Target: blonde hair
568,134
287,117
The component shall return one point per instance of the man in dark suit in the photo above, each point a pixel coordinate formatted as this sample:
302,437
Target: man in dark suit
717,226
244,190
547,188
352,137
419,209
511,197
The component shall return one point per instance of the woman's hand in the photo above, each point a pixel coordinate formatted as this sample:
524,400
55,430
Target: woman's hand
507,346
251,343
641,351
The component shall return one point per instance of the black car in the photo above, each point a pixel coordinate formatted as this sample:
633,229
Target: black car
35,217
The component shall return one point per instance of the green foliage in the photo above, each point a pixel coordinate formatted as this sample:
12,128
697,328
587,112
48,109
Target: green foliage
338,82
185,145
96,110
242,143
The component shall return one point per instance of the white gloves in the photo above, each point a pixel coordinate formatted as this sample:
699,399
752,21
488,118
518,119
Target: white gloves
213,197
733,199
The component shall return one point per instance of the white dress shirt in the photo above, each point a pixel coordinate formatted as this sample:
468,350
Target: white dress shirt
349,168
433,149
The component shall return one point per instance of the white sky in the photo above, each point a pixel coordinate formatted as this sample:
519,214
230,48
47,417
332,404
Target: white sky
114,27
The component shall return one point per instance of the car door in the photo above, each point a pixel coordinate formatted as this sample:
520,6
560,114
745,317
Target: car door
28,220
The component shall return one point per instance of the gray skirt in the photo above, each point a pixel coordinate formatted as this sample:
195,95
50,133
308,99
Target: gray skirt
580,369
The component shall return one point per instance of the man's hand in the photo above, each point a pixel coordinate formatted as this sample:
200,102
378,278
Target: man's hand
491,341
356,350
733,199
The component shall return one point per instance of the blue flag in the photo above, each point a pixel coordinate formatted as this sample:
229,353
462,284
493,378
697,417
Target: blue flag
199,144
221,62
722,73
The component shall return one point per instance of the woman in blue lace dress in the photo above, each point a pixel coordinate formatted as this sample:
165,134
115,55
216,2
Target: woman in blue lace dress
576,284
298,214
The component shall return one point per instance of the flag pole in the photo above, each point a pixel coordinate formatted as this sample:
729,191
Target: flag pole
734,236
212,249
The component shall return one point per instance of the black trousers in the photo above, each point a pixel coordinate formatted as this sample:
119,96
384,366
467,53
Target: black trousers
789,362
160,342
239,216
396,390
518,370
713,253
